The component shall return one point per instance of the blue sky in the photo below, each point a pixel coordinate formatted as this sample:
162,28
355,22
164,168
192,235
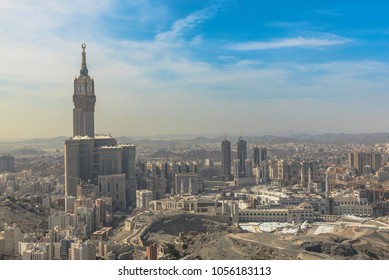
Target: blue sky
198,67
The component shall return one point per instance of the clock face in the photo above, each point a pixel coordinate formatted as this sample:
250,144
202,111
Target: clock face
83,89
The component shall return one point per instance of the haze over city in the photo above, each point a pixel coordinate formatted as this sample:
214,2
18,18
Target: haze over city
203,67
156,75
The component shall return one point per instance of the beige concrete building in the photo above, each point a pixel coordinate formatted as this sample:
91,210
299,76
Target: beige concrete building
106,248
9,239
34,251
113,186
61,219
187,184
143,199
355,204
85,221
102,234
302,212
196,204
82,250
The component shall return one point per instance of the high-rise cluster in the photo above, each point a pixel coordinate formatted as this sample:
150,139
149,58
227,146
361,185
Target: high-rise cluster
365,163
243,167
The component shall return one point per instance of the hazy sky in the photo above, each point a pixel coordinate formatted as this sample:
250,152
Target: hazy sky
198,67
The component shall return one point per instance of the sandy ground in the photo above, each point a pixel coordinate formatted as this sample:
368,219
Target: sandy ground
347,240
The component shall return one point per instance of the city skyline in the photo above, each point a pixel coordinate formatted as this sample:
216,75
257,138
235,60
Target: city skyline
199,68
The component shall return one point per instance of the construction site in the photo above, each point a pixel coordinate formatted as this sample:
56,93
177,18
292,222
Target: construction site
191,236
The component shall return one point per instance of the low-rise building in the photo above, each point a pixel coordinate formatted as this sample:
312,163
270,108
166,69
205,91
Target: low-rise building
299,213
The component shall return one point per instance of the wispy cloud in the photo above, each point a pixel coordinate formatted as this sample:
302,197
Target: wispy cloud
288,43
180,26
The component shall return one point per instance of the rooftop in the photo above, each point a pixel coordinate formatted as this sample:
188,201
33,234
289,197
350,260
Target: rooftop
78,137
103,136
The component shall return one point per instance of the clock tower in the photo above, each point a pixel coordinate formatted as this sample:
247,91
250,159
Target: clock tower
84,99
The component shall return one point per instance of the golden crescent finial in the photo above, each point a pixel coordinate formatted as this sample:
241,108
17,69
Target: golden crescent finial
83,46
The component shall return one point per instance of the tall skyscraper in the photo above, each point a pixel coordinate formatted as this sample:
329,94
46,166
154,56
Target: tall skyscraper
256,156
226,159
242,156
351,162
97,159
376,161
260,154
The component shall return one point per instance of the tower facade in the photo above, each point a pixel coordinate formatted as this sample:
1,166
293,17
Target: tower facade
226,159
84,99
97,160
242,156
256,156
260,154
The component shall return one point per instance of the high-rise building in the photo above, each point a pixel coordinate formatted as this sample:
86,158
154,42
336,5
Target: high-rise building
64,249
242,156
100,212
265,171
10,238
256,156
273,169
226,159
143,198
283,174
89,157
248,167
260,154
187,184
351,163
294,172
61,219
376,161
113,186
152,252
82,250
260,162
235,168
7,163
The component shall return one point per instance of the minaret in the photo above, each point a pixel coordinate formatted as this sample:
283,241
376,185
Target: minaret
302,180
84,101
310,183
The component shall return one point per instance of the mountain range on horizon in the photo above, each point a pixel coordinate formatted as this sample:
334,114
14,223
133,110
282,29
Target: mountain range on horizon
334,138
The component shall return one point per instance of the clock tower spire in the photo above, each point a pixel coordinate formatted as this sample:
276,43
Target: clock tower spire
84,99
84,70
